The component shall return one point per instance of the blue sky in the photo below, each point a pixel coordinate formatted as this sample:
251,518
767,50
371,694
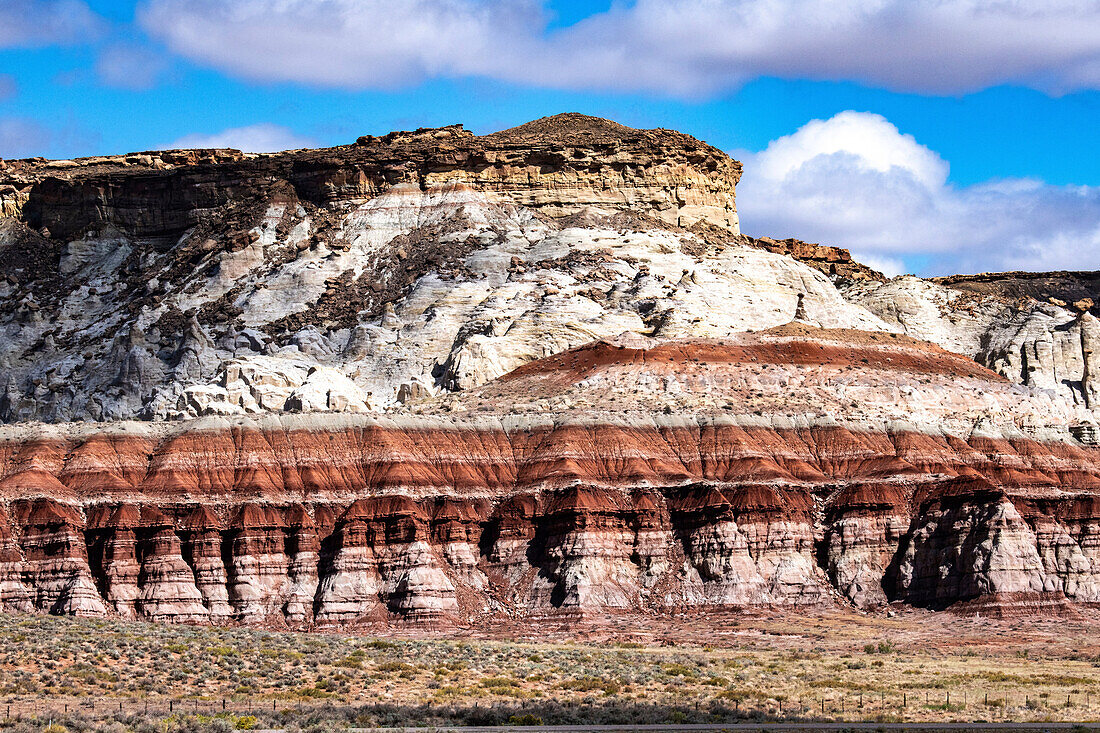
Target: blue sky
967,129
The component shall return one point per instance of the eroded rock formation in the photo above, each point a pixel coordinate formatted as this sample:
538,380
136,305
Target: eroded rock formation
748,492
438,377
1045,344
181,284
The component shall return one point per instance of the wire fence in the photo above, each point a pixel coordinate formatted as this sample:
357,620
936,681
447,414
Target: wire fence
994,705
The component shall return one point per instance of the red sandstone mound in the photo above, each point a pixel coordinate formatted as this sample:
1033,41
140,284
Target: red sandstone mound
786,467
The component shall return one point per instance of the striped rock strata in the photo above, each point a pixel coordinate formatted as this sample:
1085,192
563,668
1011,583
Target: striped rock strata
628,494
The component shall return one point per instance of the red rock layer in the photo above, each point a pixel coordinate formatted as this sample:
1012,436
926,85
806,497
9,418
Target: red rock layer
427,520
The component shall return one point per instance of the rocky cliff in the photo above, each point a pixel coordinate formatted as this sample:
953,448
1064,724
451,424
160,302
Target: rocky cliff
208,282
559,165
445,377
1047,344
633,475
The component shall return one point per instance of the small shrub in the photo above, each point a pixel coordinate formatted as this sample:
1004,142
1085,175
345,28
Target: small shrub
679,670
526,719
489,682
591,684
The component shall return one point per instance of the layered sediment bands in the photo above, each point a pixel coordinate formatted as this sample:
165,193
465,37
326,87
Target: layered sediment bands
558,165
55,559
15,594
201,533
865,524
380,559
257,523
633,474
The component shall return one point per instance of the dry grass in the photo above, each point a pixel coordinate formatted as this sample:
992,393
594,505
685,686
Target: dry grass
920,667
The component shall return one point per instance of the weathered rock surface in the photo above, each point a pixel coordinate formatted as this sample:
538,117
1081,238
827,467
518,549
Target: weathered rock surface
434,377
1045,344
368,276
746,490
835,262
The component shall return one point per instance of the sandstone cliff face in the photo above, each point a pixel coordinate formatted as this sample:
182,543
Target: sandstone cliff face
433,377
535,536
1045,344
182,284
186,283
559,166
601,504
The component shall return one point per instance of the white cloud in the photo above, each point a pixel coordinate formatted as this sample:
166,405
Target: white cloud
875,143
856,181
260,138
678,47
8,87
28,23
129,66
345,43
22,138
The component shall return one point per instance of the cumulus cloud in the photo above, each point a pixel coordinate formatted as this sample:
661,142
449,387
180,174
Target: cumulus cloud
856,181
28,23
679,47
260,138
346,43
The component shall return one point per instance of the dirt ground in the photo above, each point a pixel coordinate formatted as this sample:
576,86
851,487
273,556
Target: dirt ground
702,667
